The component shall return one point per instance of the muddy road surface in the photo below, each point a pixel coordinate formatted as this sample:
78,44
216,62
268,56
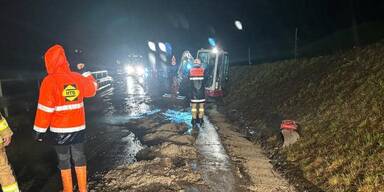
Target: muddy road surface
138,141
135,142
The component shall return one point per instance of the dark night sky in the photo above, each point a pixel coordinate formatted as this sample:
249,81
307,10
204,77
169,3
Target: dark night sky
108,30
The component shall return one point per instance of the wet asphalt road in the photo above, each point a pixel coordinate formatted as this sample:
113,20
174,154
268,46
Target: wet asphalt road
215,164
110,141
117,145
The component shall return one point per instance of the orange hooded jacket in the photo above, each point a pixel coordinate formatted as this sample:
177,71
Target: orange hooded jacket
60,106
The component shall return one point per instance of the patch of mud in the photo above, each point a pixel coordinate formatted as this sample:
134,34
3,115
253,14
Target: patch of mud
179,116
253,168
160,174
279,161
168,163
169,133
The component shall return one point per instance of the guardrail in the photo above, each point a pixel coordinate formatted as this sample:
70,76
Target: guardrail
103,79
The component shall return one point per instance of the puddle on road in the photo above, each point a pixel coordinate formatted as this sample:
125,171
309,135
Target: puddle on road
179,117
114,142
123,119
130,101
215,163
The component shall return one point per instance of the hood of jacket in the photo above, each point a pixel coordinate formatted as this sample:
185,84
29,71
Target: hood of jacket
56,61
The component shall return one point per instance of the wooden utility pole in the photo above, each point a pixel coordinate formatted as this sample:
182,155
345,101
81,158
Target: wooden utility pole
296,43
355,32
249,56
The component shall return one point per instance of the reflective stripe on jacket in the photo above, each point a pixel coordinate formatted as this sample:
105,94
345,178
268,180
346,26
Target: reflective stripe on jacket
60,107
5,131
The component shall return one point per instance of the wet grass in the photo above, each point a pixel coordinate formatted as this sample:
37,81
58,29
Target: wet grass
338,101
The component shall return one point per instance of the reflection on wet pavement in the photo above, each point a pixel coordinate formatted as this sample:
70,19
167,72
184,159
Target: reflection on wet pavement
135,85
118,145
129,101
123,119
132,147
112,142
215,163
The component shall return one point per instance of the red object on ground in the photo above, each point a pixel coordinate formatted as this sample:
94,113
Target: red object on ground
288,124
214,93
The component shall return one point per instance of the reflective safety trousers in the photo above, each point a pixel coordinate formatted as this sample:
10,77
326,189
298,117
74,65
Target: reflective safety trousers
5,131
7,180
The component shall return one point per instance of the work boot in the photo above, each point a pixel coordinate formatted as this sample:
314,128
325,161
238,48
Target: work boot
201,121
66,178
195,132
194,122
81,174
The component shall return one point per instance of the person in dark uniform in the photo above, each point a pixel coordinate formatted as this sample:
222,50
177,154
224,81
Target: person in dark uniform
172,75
197,90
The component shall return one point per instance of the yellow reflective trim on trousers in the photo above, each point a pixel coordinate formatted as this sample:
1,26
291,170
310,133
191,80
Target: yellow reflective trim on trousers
11,188
201,109
194,110
3,125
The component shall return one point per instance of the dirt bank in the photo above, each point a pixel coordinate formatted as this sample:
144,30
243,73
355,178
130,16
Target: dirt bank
336,99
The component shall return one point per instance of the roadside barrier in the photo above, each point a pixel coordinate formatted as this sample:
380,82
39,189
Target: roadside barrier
103,79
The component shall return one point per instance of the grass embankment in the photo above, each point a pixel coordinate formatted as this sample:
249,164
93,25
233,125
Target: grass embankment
338,101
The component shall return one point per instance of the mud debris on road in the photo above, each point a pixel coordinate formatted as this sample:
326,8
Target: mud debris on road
138,145
167,163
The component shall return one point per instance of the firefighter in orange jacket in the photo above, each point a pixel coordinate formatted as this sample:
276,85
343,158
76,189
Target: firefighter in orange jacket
196,77
61,111
7,180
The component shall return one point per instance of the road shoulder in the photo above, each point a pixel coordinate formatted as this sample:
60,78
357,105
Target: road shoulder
252,168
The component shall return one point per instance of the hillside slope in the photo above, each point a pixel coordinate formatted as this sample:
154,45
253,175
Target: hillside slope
338,101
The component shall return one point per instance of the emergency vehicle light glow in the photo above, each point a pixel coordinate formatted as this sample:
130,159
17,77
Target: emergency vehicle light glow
239,25
152,46
212,42
162,47
215,50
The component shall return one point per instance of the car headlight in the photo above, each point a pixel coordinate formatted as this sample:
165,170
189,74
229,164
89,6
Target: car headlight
129,70
140,70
